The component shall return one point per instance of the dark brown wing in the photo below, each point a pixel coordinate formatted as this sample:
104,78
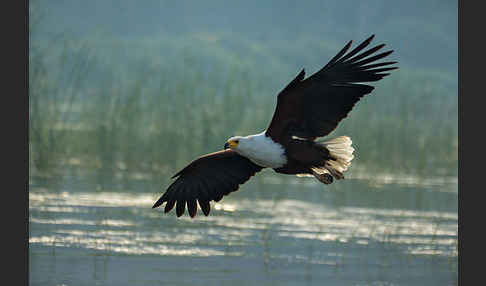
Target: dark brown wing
314,107
207,178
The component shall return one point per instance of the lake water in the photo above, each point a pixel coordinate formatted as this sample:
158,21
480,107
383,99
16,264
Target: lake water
99,229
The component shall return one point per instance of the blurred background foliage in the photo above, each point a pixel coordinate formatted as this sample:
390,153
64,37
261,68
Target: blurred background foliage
147,86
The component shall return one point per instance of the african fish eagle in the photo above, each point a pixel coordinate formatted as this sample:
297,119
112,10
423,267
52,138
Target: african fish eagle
306,109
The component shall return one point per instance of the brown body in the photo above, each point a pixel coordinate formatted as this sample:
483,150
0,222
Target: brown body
302,155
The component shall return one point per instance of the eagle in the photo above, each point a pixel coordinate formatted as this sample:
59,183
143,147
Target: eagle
306,110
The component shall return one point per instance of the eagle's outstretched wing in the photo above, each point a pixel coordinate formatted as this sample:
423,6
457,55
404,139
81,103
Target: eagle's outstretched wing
314,107
207,178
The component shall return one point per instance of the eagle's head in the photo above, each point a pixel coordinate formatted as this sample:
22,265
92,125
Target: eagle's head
233,142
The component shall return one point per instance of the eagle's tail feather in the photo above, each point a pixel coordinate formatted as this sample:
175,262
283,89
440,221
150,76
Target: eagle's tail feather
341,150
322,174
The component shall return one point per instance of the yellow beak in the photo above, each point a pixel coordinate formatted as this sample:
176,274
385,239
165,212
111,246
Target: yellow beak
230,144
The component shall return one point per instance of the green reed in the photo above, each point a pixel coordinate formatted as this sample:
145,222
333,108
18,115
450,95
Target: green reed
155,110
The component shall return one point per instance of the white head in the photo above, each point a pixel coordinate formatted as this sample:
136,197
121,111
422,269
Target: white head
236,143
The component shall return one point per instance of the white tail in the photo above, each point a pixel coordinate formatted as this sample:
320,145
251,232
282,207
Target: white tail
339,148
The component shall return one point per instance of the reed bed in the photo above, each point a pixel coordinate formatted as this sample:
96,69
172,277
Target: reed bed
151,105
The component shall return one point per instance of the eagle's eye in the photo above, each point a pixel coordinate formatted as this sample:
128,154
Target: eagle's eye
237,141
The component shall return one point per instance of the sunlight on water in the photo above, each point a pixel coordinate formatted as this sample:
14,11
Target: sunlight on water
384,178
107,199
106,222
448,184
422,232
343,231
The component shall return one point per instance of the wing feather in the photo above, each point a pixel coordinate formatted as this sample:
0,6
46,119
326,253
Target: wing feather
356,50
205,206
207,178
192,207
169,206
364,54
313,107
340,54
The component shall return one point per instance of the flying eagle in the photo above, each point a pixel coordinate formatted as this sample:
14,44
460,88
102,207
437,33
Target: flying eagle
306,109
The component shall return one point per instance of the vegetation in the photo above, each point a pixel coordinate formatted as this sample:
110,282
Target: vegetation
96,102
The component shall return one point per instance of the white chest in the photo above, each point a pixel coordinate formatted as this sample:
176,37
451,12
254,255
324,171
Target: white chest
262,151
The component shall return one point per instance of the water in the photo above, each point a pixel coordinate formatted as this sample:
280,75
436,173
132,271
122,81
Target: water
366,230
